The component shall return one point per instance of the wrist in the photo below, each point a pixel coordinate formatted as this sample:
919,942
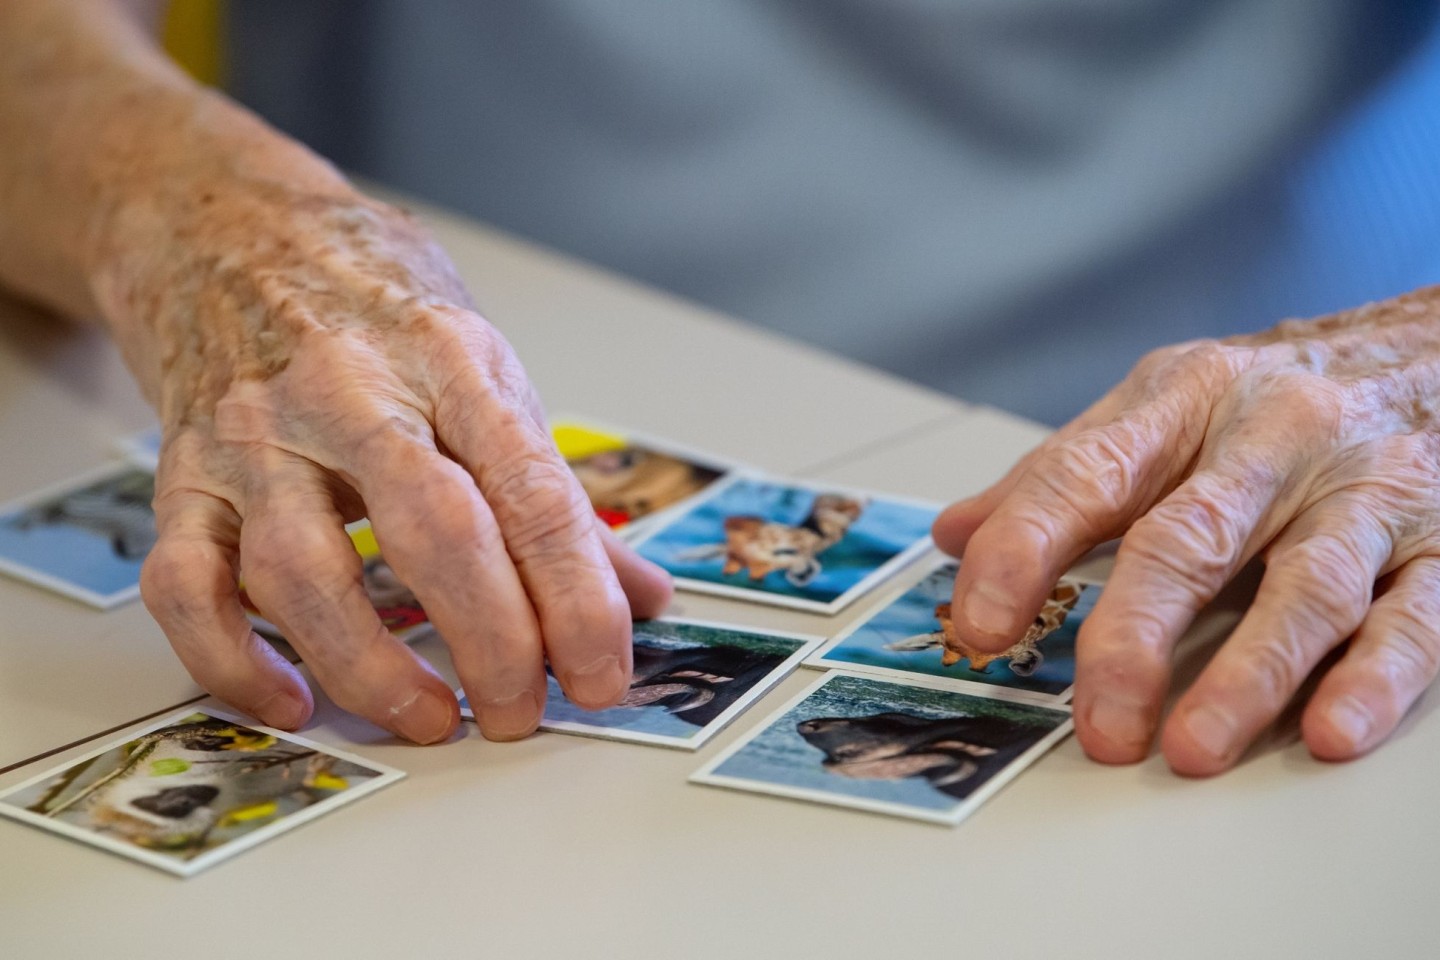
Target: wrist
186,166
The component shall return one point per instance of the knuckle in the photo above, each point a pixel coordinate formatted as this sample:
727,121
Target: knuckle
298,575
1207,361
1276,668
1330,583
1310,404
1134,659
1095,475
178,580
1191,539
539,505
1409,645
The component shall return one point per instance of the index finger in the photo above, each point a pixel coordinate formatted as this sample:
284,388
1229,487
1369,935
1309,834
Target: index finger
1080,493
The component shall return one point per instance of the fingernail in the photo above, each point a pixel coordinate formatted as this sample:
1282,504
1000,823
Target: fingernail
424,718
1213,729
509,718
600,682
990,610
281,709
1120,722
1352,719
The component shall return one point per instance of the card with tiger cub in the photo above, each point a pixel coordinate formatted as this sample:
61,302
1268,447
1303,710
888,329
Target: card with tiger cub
631,478
789,543
193,789
911,634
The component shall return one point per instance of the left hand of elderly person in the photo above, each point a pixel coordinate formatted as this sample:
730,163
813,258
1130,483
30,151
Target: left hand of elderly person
1316,446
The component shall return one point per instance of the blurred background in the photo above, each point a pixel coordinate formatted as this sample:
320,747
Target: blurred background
1008,200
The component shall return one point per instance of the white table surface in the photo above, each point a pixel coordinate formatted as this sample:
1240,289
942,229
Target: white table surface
568,847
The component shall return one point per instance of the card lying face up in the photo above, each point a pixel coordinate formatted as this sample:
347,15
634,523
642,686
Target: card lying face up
906,750
395,604
192,790
691,678
629,477
86,538
788,543
912,635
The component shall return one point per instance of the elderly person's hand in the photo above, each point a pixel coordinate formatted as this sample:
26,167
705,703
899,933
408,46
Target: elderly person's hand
1315,446
313,359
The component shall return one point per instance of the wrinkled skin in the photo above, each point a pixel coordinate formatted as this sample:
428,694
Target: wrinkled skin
1314,446
314,359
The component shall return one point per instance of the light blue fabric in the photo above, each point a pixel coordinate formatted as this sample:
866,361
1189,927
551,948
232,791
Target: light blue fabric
1006,199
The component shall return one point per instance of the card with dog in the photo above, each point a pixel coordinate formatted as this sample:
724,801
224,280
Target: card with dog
908,750
630,477
691,678
912,634
86,538
794,544
394,603
192,790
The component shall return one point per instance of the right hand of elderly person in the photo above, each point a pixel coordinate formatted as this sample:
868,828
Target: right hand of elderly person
314,359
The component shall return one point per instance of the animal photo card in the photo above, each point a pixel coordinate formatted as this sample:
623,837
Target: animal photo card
784,542
86,538
913,635
691,678
904,749
631,478
192,790
394,603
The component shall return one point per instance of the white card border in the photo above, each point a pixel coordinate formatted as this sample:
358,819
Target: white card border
387,776
871,580
819,660
964,808
39,578
810,642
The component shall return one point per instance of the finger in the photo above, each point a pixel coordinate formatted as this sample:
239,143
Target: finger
189,586
647,585
440,538
1079,493
1173,561
958,522
550,532
1320,574
303,573
1392,659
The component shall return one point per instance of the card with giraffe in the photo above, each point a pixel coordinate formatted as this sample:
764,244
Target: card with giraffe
192,790
911,634
791,543
85,538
